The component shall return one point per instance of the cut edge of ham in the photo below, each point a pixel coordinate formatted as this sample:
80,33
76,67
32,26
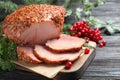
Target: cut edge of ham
65,43
54,58
25,54
41,32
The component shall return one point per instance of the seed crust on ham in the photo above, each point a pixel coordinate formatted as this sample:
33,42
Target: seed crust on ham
65,43
28,24
54,58
25,54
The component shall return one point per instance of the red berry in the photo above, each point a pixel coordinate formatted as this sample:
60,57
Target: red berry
96,29
68,65
86,30
87,50
91,35
77,23
87,39
100,37
79,33
94,38
97,38
83,31
97,34
74,26
89,31
85,22
80,28
82,23
88,27
100,45
73,34
71,29
104,43
86,34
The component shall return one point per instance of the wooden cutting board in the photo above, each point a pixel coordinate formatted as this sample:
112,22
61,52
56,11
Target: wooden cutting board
57,72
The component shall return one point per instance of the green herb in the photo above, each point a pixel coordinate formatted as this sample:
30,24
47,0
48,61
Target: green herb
88,45
87,7
78,13
6,7
68,12
95,22
7,53
27,2
65,29
110,25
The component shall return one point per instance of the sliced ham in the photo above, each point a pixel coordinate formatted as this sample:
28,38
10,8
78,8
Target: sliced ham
51,57
26,54
65,43
34,24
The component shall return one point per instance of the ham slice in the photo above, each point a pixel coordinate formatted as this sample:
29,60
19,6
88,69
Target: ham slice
65,43
34,24
51,57
26,54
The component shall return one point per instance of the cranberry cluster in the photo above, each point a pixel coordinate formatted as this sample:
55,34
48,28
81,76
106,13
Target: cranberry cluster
82,29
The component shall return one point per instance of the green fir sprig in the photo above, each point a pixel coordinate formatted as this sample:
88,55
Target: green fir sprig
6,7
7,53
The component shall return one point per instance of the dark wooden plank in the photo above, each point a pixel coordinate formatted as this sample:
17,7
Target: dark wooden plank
112,41
110,9
106,64
108,53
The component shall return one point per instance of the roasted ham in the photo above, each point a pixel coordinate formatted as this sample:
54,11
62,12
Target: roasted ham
40,26
34,24
26,54
52,57
65,43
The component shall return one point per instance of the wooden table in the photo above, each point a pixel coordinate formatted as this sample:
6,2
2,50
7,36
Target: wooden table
105,66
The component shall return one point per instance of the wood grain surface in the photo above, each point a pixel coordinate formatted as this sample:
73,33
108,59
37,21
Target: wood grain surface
105,66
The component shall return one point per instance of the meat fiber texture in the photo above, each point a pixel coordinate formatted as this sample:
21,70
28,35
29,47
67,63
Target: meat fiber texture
66,48
65,43
34,24
54,58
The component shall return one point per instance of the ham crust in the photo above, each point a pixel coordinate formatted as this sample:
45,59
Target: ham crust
17,23
25,54
65,43
54,58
